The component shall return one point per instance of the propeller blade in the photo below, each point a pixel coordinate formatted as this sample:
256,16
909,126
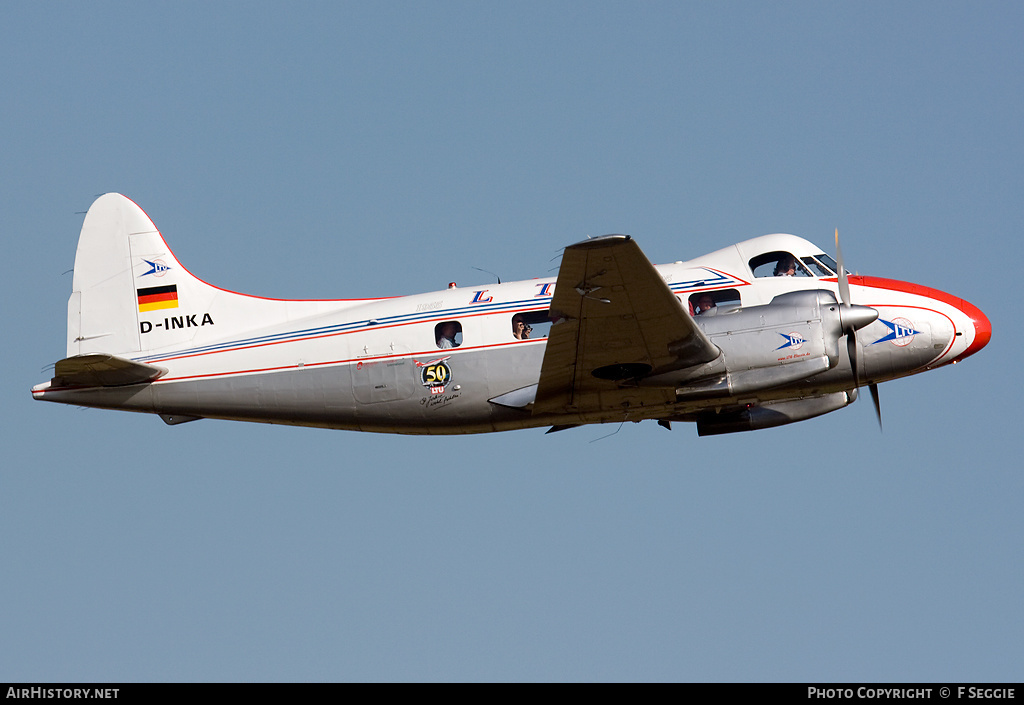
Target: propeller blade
855,318
851,350
844,284
878,404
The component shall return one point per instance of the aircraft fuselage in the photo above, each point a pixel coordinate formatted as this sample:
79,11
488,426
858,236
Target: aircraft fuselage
457,360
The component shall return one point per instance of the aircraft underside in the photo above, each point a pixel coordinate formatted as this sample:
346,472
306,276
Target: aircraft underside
347,397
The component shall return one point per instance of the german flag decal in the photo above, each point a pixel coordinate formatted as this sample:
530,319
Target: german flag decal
157,297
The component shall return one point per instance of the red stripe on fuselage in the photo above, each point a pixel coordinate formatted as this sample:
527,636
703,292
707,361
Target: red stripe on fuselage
350,332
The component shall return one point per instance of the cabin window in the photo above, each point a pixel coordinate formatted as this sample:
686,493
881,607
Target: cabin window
531,325
448,334
704,303
778,264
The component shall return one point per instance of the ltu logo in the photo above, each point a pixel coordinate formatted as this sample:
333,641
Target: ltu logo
156,268
901,332
794,341
904,332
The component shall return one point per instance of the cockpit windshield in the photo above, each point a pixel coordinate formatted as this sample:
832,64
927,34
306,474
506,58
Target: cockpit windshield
828,262
817,267
784,264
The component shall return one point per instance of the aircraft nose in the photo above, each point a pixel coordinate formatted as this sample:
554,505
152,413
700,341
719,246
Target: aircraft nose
982,328
964,334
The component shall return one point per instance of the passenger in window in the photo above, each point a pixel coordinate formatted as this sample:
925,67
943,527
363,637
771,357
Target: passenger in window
446,335
786,267
520,329
704,303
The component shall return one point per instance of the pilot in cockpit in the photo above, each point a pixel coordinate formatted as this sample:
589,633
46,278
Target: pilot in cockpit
786,266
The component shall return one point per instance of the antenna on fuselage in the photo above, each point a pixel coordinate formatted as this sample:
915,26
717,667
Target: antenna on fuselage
486,271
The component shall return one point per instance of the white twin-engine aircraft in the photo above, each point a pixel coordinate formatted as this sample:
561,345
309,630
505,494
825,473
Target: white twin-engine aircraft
759,334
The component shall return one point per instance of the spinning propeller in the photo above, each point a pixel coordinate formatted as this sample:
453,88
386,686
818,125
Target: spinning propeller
853,318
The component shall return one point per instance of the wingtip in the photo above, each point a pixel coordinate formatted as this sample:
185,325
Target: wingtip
602,241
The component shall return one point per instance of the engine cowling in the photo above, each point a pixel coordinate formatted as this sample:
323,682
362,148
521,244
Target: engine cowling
795,336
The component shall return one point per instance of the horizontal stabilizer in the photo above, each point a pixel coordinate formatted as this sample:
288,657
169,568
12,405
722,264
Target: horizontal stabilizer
98,370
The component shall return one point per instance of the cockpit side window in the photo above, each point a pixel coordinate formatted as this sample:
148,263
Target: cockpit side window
778,264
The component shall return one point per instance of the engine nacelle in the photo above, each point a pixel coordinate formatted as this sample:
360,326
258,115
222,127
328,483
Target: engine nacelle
794,337
795,326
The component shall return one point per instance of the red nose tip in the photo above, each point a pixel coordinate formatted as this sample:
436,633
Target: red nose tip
982,329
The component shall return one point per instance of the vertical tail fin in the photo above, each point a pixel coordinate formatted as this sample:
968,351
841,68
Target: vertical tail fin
124,274
131,295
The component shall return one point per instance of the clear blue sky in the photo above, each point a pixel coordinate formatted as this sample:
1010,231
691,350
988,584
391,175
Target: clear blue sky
366,149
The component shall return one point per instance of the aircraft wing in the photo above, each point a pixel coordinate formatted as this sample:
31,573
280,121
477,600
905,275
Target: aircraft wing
616,321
